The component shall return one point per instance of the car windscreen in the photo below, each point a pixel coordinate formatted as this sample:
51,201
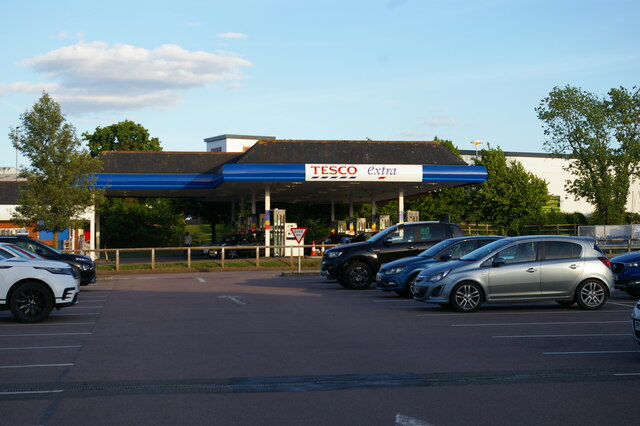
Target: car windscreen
434,250
485,250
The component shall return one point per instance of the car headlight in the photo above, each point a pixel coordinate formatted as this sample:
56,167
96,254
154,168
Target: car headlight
440,275
333,254
632,265
395,270
58,271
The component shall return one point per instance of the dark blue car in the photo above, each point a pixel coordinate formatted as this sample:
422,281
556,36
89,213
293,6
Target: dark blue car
398,275
626,270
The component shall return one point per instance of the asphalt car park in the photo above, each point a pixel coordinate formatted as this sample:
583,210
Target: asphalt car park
257,347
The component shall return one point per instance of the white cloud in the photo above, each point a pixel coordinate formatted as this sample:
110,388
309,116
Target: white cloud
232,35
99,76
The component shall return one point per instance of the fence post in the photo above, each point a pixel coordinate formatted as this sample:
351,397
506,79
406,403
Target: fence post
117,260
188,257
153,259
222,258
257,256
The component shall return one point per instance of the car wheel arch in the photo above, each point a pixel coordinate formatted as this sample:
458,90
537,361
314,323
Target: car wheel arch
581,285
17,284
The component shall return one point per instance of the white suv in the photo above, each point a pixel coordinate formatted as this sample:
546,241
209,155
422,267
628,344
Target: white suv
31,288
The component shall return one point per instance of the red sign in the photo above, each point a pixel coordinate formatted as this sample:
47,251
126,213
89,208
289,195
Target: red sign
298,233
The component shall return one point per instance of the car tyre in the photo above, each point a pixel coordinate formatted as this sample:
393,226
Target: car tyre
591,294
408,290
358,276
31,302
466,297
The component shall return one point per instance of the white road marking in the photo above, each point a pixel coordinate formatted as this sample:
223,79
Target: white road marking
202,280
32,392
28,348
403,420
589,352
537,323
36,365
47,324
44,334
525,336
235,299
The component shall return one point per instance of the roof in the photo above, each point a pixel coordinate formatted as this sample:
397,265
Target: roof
218,176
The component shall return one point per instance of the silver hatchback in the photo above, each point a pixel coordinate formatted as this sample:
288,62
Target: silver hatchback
521,269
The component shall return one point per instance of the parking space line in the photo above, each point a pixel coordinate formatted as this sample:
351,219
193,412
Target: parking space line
539,323
36,365
629,305
533,336
28,348
589,352
47,324
521,313
32,392
44,334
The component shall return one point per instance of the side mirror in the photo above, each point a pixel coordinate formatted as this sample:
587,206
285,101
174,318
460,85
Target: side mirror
445,257
387,242
499,261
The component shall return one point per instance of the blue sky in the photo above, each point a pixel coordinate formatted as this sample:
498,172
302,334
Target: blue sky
378,69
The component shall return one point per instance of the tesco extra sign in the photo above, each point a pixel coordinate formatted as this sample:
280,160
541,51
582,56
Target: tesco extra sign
364,172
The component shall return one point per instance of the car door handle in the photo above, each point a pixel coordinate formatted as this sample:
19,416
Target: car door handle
574,266
532,270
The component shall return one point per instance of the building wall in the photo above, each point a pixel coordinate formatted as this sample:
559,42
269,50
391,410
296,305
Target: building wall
552,171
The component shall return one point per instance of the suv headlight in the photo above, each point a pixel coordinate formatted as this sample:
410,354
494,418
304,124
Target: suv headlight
334,254
440,275
58,271
395,270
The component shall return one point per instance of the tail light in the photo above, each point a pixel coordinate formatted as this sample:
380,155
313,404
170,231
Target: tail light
606,261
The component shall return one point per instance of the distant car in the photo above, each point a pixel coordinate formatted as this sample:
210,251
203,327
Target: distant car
521,269
83,265
399,275
355,265
31,288
635,321
246,241
626,269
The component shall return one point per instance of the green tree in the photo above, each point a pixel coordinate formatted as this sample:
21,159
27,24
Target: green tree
60,177
601,136
511,196
123,136
134,222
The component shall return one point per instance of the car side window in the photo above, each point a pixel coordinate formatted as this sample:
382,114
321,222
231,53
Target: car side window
5,255
460,249
401,235
555,250
431,232
518,253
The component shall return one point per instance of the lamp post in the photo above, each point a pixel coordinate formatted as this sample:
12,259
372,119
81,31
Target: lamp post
17,135
476,143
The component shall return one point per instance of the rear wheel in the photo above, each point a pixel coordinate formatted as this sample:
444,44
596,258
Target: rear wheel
591,294
358,276
466,297
31,302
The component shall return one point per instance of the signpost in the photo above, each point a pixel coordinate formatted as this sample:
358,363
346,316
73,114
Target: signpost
298,234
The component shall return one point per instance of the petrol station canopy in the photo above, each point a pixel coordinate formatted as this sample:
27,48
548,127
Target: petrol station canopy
295,171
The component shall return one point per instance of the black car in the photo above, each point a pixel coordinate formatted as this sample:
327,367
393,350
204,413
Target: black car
247,241
355,265
82,265
626,268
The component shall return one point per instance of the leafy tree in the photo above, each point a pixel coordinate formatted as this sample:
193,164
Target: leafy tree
602,138
134,222
123,136
60,177
511,196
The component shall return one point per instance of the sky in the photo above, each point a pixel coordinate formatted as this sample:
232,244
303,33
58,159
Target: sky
461,70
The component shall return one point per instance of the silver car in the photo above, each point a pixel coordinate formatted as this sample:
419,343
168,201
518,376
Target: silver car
521,269
635,321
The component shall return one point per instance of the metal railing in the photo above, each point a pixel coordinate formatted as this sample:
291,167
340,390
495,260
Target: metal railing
153,256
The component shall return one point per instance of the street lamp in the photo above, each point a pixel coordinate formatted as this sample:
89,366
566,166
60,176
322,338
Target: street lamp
476,143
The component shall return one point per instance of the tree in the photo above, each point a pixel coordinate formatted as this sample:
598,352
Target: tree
511,196
601,136
123,136
150,222
60,177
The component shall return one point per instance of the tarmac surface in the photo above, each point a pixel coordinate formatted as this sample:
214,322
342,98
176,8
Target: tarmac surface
260,348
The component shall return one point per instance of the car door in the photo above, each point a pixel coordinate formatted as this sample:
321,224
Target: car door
561,268
402,242
519,276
